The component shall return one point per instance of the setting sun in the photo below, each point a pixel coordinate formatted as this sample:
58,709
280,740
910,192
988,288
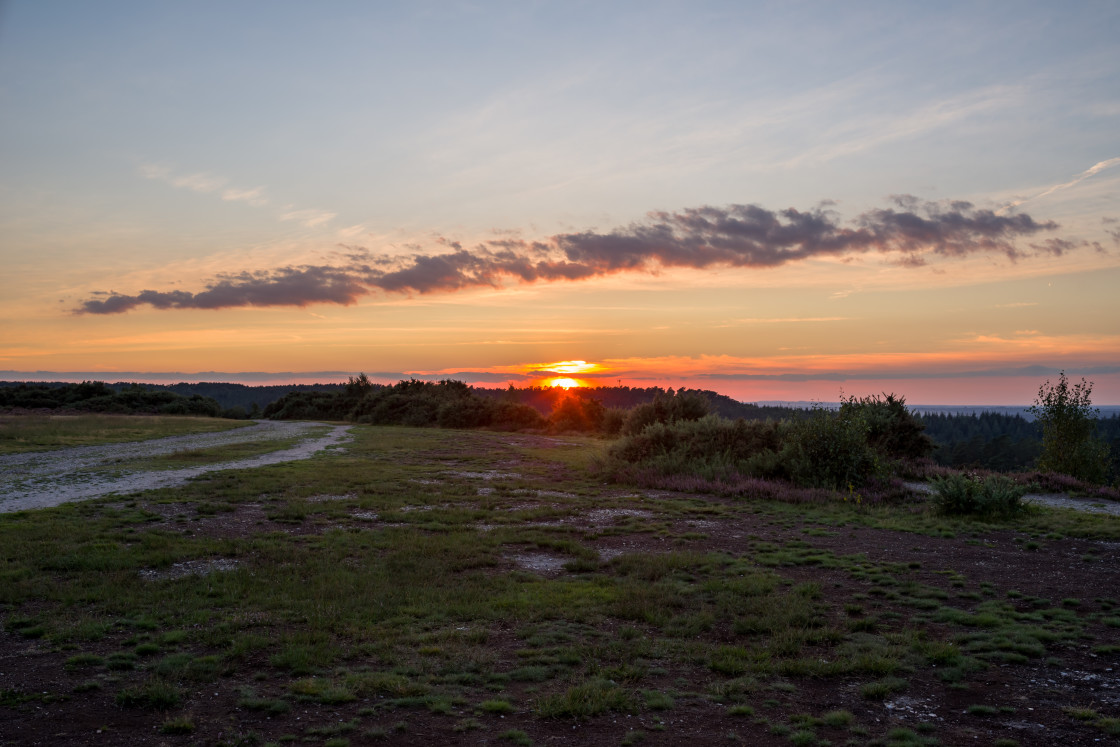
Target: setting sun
565,383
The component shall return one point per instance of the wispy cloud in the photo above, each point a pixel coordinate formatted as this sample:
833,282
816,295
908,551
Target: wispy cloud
909,232
852,136
1094,169
310,217
351,231
204,182
254,197
197,182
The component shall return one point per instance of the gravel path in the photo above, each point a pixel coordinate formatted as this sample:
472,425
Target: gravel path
48,478
1061,500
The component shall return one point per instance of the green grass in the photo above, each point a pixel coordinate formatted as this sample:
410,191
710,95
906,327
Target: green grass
22,433
154,693
586,699
178,725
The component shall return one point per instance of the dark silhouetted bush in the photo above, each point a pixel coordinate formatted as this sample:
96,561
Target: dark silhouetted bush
577,414
891,428
991,496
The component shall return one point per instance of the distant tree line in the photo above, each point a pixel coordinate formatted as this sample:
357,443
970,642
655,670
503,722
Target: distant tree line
545,399
446,404
233,400
453,404
96,396
1003,443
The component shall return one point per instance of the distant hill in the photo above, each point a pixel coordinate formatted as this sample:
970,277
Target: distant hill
225,394
544,399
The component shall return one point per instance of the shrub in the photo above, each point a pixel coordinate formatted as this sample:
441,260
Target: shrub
711,447
994,495
891,428
515,416
665,408
577,414
613,418
465,412
830,450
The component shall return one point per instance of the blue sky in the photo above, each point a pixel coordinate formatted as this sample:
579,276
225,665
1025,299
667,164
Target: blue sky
161,147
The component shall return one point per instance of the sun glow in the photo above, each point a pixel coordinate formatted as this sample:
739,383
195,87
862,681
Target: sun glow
568,367
564,382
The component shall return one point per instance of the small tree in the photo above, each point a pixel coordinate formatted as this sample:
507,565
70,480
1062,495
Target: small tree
1068,418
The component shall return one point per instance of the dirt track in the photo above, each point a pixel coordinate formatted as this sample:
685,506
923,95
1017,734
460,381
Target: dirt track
48,478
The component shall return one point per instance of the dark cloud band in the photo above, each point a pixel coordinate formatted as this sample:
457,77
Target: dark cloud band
704,237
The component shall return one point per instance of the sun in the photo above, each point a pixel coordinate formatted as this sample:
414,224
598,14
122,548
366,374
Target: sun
564,382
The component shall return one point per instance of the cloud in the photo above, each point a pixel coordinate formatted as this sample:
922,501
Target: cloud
252,196
1094,169
199,182
910,231
751,236
284,287
206,183
309,217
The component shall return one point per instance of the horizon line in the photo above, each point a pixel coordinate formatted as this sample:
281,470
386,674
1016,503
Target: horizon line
489,380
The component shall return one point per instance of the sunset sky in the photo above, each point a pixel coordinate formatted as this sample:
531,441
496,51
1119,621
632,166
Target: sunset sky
776,201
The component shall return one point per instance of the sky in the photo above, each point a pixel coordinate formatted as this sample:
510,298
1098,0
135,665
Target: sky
775,201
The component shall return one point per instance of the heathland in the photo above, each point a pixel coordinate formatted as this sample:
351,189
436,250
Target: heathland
813,581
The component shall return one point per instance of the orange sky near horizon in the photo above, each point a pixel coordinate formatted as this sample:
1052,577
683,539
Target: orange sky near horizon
611,194
942,343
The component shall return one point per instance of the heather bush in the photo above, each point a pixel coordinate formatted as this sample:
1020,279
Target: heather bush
465,412
513,416
890,427
830,450
613,418
711,447
824,450
992,495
